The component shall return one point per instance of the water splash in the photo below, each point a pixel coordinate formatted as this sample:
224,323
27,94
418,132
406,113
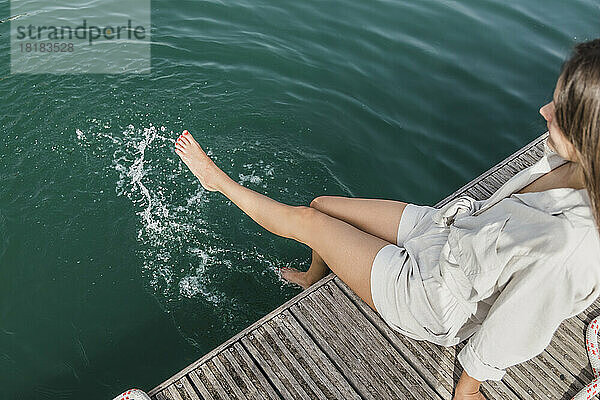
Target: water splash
168,224
185,236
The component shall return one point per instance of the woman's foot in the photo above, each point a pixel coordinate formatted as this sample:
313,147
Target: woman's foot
198,162
296,276
301,278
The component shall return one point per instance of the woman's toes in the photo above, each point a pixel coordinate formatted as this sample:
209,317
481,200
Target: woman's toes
188,136
184,139
181,142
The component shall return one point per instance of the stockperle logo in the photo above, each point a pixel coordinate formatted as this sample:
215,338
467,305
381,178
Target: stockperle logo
80,36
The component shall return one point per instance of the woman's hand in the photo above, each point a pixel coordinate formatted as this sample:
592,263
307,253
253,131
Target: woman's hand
467,388
468,396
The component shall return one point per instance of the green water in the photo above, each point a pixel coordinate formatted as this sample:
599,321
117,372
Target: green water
117,269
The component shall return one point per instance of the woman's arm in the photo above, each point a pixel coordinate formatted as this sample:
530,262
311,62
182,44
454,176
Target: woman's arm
521,322
467,388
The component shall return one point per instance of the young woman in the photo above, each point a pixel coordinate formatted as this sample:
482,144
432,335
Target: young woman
502,272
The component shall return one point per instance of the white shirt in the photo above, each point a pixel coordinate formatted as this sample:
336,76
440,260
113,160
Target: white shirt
519,264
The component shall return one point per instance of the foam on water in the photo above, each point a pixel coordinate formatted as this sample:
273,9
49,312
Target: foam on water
168,225
180,251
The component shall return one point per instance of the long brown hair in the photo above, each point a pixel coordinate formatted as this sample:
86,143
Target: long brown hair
577,106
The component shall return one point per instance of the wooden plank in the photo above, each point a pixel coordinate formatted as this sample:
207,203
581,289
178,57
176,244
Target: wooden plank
590,313
282,379
530,157
548,374
232,374
312,378
493,182
316,364
288,365
479,192
542,374
564,381
207,370
238,365
506,172
568,348
201,387
330,373
181,390
341,355
518,164
228,378
177,391
251,370
159,396
174,393
525,384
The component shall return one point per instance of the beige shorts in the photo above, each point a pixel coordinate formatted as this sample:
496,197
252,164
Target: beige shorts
406,286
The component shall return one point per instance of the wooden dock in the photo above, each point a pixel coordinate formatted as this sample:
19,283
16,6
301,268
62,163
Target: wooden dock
326,343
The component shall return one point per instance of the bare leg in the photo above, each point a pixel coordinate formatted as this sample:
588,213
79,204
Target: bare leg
375,216
378,217
348,251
